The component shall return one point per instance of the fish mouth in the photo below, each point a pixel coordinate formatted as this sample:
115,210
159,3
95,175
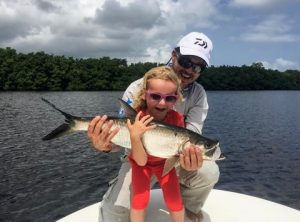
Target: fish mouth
213,153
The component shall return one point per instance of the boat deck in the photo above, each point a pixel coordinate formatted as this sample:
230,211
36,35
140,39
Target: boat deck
221,206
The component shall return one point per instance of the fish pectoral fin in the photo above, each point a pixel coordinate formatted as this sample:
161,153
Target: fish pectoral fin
170,164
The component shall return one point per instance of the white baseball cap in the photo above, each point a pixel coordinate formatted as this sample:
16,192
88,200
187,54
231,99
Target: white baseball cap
197,44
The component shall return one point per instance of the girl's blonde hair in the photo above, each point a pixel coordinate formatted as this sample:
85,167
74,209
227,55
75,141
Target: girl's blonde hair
161,72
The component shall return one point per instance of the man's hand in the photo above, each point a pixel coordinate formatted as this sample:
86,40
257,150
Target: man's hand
101,136
191,158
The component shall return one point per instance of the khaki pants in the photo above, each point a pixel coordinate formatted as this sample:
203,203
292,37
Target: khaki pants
195,187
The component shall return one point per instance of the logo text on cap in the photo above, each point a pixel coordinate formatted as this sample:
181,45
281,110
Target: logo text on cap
201,42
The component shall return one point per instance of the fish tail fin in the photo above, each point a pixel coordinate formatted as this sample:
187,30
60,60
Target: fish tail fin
64,128
58,132
170,164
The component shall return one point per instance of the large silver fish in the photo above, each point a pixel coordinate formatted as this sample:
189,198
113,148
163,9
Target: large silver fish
165,141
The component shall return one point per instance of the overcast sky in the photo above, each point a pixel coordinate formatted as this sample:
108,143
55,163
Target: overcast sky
242,31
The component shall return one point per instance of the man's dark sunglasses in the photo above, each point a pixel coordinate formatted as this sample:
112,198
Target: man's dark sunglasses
185,62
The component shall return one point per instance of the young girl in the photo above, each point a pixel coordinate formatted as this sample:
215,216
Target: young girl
160,92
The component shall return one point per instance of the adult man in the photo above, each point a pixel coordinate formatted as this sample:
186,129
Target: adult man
197,177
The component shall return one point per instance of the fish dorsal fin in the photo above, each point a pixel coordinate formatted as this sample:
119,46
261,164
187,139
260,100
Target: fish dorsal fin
169,164
128,110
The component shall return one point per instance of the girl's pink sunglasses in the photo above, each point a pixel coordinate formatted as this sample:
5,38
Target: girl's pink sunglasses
157,97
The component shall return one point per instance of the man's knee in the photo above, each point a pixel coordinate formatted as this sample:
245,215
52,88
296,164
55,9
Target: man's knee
207,175
209,172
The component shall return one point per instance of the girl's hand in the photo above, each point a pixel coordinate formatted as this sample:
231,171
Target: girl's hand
139,127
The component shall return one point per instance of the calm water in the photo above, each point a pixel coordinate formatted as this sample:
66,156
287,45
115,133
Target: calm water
43,181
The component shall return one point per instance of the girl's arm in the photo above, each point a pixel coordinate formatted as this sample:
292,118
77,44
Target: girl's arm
137,130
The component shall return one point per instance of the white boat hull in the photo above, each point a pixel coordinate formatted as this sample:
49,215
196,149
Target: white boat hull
221,206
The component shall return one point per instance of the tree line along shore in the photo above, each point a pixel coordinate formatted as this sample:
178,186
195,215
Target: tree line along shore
43,72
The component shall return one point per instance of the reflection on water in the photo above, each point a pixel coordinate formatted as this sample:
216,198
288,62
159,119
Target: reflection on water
44,181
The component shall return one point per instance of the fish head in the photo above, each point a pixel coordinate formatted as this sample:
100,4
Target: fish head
210,148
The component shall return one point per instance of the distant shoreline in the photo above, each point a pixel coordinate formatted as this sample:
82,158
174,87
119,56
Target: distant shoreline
43,72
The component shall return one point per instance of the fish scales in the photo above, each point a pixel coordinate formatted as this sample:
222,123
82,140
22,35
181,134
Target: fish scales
164,141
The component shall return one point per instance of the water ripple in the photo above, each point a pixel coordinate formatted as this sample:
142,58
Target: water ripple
44,181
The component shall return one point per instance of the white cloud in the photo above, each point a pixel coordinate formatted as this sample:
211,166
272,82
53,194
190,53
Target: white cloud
133,29
254,3
275,28
281,64
135,15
